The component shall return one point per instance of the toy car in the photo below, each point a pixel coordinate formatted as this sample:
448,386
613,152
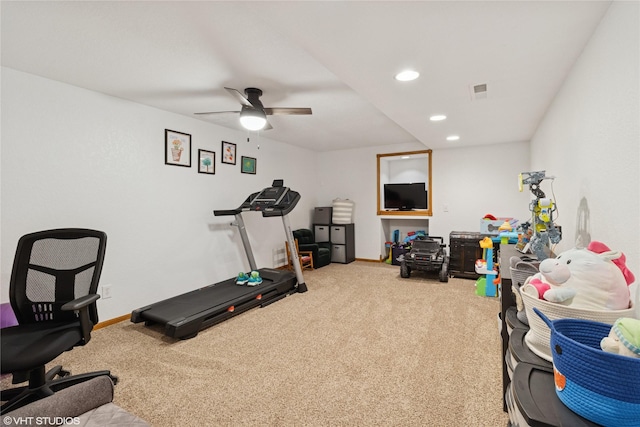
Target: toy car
426,254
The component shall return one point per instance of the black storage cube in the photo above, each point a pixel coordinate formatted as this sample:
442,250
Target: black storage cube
322,215
464,250
343,248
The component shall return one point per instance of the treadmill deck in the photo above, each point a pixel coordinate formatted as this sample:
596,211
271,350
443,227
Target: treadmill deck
184,315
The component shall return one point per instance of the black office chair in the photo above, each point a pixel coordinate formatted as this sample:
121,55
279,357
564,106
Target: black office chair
53,292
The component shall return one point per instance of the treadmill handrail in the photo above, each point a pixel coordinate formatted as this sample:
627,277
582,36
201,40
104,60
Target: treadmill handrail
278,210
261,198
227,212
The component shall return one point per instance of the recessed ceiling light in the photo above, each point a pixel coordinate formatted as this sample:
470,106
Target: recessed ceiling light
407,75
437,117
405,157
453,138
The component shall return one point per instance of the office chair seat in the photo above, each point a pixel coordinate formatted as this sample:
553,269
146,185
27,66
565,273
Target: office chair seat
30,345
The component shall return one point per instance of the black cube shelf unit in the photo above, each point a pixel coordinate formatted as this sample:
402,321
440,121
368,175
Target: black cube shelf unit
343,247
464,250
340,236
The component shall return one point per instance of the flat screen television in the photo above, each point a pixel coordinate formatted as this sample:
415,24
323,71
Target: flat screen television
405,197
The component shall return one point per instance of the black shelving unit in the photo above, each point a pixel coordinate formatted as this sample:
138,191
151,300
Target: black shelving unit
343,249
464,250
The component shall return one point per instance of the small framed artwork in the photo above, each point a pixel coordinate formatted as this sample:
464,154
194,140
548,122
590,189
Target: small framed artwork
228,153
248,165
207,162
177,148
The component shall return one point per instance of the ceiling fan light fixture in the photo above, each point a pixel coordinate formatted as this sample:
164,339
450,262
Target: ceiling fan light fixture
407,75
252,119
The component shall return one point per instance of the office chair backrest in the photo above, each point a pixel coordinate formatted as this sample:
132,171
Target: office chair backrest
52,268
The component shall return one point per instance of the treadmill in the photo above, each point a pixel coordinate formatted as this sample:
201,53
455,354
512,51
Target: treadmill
183,316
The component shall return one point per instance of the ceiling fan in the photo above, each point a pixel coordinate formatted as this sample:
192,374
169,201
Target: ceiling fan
253,115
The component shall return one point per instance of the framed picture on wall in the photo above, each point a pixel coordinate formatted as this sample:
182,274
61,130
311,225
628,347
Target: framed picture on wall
248,165
228,153
177,148
206,162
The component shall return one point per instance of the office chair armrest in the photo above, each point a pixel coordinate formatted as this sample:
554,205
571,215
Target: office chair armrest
81,307
81,302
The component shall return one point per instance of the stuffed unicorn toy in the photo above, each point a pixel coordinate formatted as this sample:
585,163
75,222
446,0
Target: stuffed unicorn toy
594,278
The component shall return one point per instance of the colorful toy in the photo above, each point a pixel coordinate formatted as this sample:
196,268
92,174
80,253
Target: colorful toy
582,278
524,236
413,235
395,238
624,338
487,285
506,226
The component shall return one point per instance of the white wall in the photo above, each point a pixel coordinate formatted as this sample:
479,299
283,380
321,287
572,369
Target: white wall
471,182
590,136
77,158
407,171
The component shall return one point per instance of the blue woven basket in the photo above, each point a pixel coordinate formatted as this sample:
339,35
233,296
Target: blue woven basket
601,387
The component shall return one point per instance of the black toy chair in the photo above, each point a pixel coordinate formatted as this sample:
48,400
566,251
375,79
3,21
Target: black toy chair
53,292
321,252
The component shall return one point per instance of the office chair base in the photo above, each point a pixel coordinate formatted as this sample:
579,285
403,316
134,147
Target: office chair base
35,384
56,371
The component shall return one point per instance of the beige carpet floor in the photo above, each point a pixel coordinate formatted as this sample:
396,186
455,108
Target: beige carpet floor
363,347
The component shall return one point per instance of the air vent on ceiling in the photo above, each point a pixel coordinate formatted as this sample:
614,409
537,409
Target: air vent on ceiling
478,91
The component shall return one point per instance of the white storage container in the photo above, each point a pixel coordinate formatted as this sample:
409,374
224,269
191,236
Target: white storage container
342,211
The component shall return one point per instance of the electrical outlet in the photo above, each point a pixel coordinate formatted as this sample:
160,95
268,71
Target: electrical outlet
106,291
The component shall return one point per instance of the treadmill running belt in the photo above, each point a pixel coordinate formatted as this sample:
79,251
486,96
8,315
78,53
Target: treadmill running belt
219,295
184,315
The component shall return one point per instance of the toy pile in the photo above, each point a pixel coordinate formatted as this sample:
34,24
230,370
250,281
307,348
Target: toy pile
398,248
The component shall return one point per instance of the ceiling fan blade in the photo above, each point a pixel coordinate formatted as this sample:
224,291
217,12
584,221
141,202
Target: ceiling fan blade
252,106
218,112
240,97
286,111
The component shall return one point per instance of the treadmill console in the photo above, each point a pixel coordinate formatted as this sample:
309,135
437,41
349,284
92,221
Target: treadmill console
267,198
277,200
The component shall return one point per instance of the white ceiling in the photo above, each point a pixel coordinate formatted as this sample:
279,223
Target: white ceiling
337,57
